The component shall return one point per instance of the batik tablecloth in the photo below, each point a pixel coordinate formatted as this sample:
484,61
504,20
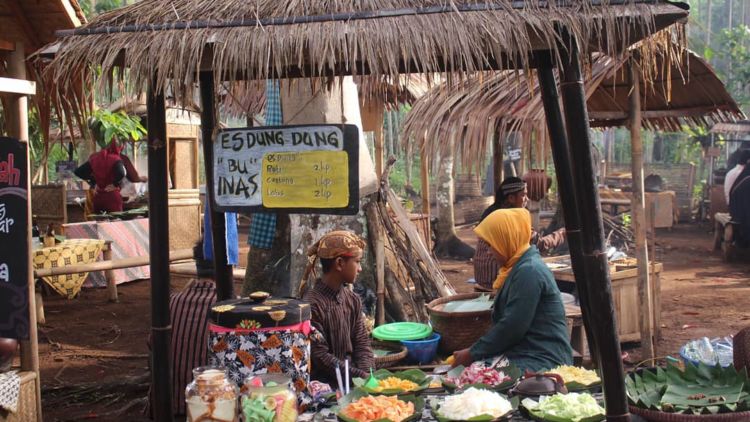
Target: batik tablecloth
69,252
129,239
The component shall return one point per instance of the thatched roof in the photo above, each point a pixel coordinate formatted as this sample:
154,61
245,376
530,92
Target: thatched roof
681,92
265,39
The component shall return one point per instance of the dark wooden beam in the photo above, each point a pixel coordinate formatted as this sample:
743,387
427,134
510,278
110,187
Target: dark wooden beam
595,267
566,187
28,29
223,271
7,46
158,231
659,114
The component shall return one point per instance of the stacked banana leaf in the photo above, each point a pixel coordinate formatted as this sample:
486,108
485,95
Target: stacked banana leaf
698,390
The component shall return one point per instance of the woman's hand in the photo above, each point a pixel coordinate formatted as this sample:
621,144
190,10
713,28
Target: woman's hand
462,357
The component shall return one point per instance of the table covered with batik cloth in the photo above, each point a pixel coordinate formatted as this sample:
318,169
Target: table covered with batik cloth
129,239
69,252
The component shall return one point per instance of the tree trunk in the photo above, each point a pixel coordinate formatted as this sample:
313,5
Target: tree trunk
408,162
268,269
448,244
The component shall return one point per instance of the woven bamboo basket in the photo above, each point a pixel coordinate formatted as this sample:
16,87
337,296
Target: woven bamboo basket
26,408
654,416
458,330
398,354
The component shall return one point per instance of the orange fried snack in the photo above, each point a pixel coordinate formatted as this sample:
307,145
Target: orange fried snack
372,408
394,383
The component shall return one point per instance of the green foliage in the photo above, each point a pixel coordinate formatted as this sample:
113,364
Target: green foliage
121,126
735,43
101,6
697,390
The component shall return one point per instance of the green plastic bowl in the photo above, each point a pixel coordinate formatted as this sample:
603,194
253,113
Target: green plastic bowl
399,331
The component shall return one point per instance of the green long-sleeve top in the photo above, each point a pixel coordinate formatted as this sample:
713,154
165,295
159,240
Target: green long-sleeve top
528,317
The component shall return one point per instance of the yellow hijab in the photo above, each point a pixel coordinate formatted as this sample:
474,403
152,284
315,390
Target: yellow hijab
508,232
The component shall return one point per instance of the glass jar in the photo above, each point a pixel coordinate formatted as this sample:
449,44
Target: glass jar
211,396
268,398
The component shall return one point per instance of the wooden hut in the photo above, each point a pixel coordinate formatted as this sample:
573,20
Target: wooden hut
168,43
27,26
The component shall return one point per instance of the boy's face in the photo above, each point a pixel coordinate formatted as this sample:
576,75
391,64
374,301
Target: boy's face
518,199
350,267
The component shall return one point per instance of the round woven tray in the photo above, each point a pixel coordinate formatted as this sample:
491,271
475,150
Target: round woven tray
654,416
391,359
458,330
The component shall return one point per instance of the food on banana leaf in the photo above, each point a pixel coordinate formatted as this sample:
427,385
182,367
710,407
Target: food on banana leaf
576,375
698,390
573,407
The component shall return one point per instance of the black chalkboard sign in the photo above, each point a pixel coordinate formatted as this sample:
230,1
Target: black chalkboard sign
14,243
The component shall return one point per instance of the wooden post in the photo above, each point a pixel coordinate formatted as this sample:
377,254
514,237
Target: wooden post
566,187
379,151
17,116
425,175
222,271
497,162
109,275
596,268
638,207
158,234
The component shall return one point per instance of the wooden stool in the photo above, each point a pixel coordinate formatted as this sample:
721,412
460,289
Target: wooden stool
576,333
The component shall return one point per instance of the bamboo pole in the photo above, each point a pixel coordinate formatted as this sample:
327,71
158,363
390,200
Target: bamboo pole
379,150
158,230
115,264
638,207
425,175
497,162
596,268
222,270
566,187
17,117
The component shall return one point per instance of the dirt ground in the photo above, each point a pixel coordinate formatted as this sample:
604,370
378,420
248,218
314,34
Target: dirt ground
94,354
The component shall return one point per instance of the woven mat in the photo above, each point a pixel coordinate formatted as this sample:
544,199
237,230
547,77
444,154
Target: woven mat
10,386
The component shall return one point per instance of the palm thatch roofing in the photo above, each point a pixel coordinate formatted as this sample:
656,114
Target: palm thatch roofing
172,40
683,91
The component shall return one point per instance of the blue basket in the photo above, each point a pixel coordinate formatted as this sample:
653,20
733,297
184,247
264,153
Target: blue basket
422,351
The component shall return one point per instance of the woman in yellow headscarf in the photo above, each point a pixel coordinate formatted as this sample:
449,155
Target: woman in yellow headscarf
528,314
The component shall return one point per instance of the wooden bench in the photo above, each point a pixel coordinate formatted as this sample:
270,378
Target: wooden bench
107,264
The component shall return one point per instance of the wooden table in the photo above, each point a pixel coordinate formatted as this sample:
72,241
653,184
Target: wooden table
625,296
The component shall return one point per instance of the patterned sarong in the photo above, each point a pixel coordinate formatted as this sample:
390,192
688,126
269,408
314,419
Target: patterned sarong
69,252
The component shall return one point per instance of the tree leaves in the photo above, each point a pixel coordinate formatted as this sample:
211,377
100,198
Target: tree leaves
107,125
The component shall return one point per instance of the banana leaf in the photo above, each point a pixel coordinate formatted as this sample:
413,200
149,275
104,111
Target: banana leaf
514,401
697,390
511,371
413,375
358,393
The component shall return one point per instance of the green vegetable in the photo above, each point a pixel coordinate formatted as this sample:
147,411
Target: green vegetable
698,390
572,407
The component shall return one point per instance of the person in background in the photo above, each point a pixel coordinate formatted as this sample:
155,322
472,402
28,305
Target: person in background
739,205
742,158
336,310
188,311
510,194
529,325
104,172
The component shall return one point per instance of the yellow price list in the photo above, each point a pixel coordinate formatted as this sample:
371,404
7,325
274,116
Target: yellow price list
311,179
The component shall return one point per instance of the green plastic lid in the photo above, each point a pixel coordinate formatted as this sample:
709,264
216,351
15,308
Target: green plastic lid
399,331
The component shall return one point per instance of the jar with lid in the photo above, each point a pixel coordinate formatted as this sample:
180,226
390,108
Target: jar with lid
268,398
211,396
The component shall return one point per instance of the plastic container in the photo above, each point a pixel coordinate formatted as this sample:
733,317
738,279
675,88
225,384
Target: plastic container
400,331
269,397
422,351
211,396
709,352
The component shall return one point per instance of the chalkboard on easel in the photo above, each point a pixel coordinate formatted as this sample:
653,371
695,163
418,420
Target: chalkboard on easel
14,242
